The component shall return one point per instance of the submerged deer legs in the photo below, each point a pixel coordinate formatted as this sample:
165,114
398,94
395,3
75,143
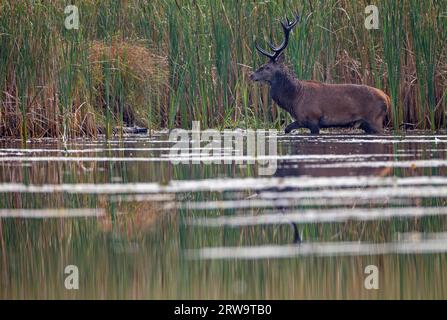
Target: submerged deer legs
294,125
371,128
313,127
296,234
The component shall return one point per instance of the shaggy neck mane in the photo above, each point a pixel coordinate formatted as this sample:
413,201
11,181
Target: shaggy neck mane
285,88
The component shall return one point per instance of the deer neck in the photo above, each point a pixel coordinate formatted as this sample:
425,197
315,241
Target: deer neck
285,90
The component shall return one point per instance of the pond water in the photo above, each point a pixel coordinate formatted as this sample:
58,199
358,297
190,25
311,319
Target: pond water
136,225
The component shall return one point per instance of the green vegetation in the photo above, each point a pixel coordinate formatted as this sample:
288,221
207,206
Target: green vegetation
164,63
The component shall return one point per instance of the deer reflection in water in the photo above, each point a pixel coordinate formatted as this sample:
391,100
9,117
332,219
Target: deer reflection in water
293,168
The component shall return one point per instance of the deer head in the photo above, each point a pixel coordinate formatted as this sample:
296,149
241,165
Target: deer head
268,70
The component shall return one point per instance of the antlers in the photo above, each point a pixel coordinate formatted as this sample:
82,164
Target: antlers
287,26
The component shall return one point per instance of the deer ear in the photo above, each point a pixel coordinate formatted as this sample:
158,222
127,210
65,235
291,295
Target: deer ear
280,58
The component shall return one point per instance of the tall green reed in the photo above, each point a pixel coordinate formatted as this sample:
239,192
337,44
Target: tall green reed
209,49
424,43
392,50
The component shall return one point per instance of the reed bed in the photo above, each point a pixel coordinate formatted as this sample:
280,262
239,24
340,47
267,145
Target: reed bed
163,63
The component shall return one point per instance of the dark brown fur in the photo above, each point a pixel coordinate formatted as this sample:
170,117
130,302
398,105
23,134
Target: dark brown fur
316,105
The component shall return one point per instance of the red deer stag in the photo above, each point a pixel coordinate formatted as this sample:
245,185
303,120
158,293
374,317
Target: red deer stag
316,105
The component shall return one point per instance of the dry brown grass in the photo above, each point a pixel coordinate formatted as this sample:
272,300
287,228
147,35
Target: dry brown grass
144,63
131,220
141,71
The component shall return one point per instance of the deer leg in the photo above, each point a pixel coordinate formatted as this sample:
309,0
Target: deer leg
296,234
370,128
313,127
292,126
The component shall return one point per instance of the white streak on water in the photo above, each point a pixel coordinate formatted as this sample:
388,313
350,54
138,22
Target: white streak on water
51,213
97,150
359,141
432,163
364,136
384,193
142,198
418,236
271,203
189,158
323,249
226,184
320,216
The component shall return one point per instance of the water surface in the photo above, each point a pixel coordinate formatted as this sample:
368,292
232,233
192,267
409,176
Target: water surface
138,226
